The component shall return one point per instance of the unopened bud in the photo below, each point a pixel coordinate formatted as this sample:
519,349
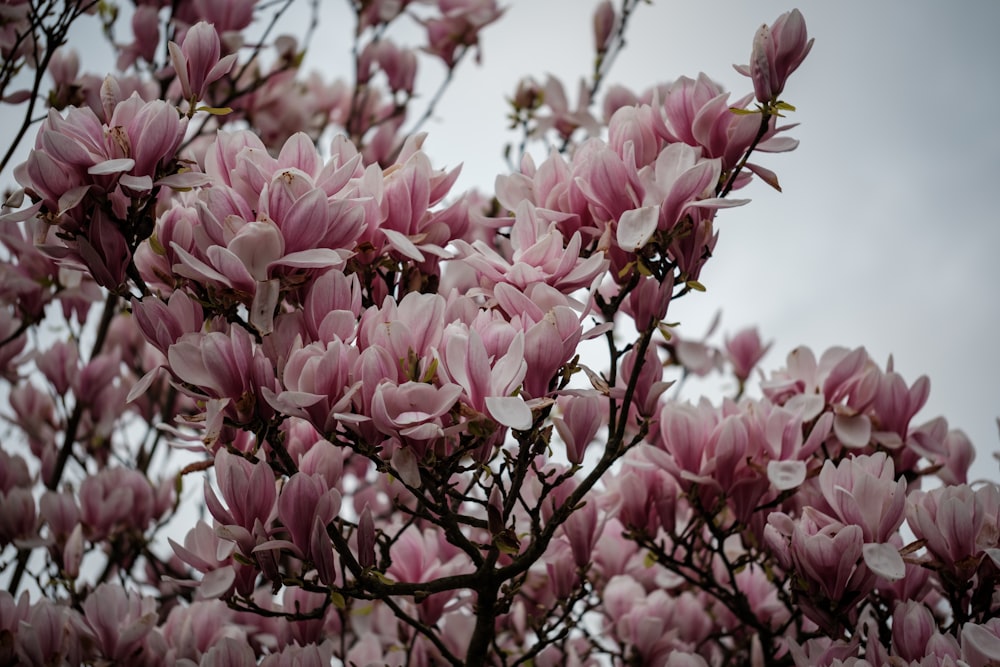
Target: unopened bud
604,26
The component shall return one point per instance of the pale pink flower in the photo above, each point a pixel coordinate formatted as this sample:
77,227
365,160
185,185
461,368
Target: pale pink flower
632,131
191,631
488,383
226,16
413,410
540,255
950,520
863,491
319,384
48,633
120,620
230,652
116,499
981,643
696,112
561,118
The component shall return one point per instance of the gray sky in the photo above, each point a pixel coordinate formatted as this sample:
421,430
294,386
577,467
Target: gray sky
885,235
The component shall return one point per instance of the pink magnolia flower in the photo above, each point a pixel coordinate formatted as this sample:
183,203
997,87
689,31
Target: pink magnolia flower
632,131
950,520
745,350
409,330
18,516
424,555
829,557
981,643
604,25
319,384
540,255
227,369
778,50
209,554
116,499
578,422
863,491
305,499
230,652
13,472
191,631
913,625
228,16
414,411
163,324
398,64
46,633
458,26
146,30
197,60
696,112
248,489
561,118
120,620
488,384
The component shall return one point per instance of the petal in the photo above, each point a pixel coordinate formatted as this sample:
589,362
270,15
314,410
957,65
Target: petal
884,560
636,227
786,475
510,411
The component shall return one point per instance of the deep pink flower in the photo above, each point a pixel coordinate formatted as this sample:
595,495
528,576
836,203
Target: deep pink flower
458,26
247,488
197,60
303,499
778,50
745,350
579,419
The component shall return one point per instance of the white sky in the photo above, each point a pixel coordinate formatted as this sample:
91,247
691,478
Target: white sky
886,233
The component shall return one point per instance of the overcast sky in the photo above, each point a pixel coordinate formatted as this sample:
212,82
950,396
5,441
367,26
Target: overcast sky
886,233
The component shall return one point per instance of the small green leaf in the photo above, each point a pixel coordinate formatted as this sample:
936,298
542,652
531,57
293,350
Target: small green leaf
743,112
507,542
338,600
215,111
695,285
783,106
383,579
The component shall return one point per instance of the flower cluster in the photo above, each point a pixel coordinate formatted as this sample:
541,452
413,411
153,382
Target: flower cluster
376,385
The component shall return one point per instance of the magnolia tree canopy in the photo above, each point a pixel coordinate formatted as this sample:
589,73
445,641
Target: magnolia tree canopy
277,393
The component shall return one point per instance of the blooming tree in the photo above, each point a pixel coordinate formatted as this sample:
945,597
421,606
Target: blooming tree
276,394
